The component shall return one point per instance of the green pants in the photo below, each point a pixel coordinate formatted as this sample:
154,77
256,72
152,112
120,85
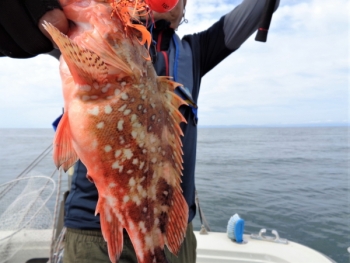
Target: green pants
88,246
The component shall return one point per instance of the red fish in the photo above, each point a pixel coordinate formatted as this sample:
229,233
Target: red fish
122,121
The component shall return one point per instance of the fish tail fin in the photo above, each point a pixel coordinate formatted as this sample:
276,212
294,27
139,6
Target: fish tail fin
155,255
64,154
112,229
148,245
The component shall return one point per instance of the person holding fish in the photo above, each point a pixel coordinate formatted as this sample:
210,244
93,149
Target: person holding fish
130,134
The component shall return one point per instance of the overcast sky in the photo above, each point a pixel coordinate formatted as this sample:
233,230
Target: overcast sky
300,76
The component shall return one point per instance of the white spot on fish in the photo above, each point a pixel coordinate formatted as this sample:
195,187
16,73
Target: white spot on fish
136,199
144,209
144,151
95,84
116,92
111,185
149,127
144,110
154,160
132,182
153,139
156,221
127,112
126,198
94,97
128,153
139,188
133,117
117,153
94,111
100,125
153,149
94,144
130,171
120,125
116,165
122,108
142,226
153,117
85,97
104,89
108,148
124,96
108,109
153,105
121,140
136,124
139,107
123,83
134,134
135,161
143,97
141,165
85,87
142,135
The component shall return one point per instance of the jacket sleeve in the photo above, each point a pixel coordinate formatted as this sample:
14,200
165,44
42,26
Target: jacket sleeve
228,34
20,36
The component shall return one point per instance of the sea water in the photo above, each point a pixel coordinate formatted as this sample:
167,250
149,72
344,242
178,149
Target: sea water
294,180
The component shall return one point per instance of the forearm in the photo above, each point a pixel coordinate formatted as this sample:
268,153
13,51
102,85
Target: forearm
242,21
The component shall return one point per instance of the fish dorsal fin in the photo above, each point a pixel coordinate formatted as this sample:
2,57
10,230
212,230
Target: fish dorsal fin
178,212
63,153
85,66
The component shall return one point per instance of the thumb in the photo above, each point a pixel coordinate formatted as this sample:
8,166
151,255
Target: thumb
57,18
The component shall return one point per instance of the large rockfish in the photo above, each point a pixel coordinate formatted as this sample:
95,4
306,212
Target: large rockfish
122,121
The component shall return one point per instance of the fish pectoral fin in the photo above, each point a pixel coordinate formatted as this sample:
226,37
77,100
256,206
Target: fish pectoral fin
64,154
111,227
177,226
85,66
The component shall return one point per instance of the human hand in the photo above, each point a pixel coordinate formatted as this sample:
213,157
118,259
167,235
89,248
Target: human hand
21,33
58,19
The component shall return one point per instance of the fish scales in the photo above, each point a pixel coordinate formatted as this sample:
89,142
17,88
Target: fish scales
122,121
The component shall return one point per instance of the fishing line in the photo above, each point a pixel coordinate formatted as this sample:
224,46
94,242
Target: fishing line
55,213
29,168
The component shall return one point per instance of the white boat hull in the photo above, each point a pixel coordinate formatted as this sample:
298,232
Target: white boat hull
218,248
212,248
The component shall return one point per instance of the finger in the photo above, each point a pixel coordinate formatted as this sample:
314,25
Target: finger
57,18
